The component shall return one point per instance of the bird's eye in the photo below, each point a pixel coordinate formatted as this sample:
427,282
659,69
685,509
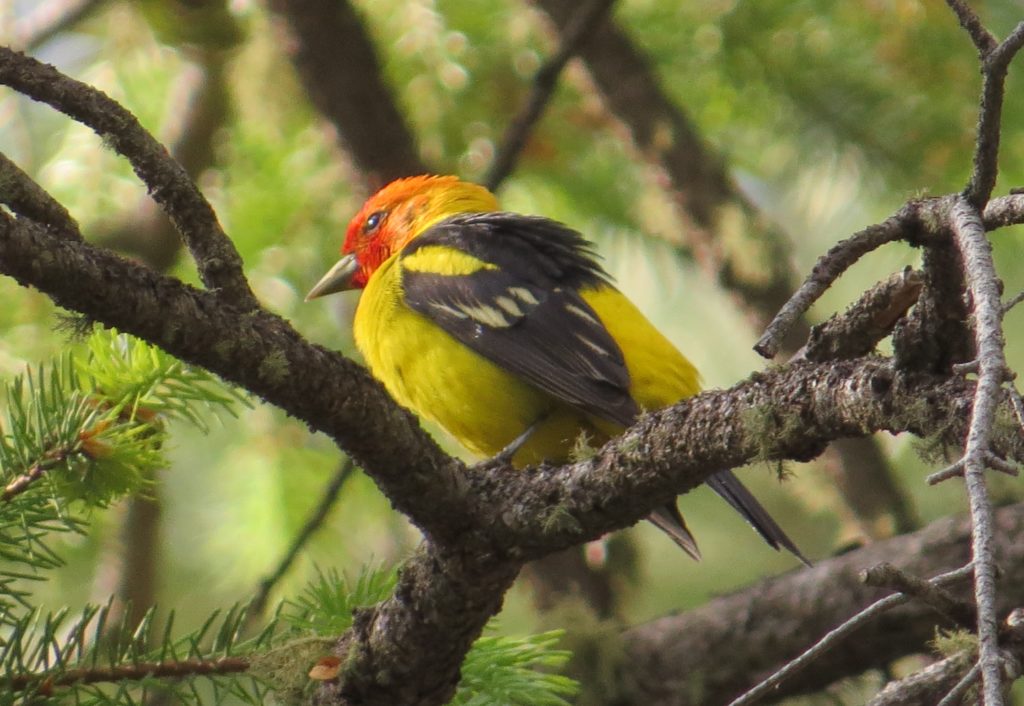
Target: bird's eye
373,221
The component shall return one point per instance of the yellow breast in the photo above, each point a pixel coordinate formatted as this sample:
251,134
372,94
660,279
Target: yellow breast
485,407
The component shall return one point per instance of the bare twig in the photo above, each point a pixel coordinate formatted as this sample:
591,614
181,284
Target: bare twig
836,635
1017,299
24,481
960,689
970,21
979,270
1004,211
578,31
885,575
932,684
956,469
828,268
870,319
1018,404
313,523
995,62
219,264
968,368
133,671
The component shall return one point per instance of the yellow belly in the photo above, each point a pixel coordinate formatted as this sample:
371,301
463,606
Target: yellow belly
485,407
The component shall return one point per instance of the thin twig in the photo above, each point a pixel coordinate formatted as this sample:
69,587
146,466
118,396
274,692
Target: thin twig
219,264
968,368
995,63
979,271
885,575
129,672
544,83
836,635
957,693
1004,211
927,686
1017,299
827,270
315,521
956,470
23,482
1018,405
50,19
970,21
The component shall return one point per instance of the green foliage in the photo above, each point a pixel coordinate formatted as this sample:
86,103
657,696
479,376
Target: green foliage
952,642
77,434
53,658
327,604
143,380
499,670
507,671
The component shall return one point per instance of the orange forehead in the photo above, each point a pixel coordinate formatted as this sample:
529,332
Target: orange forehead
402,190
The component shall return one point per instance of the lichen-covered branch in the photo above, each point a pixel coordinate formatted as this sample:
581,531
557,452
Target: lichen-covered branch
677,660
480,526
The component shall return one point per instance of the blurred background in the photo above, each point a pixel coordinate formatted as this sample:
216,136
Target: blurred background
824,116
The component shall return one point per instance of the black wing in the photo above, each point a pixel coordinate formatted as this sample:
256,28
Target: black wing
525,314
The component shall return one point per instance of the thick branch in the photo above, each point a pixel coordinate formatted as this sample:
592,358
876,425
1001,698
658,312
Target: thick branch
496,519
678,660
22,195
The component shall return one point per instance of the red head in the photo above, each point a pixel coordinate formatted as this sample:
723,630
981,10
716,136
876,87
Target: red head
391,218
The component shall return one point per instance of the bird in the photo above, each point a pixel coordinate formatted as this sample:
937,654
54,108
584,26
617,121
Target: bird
505,330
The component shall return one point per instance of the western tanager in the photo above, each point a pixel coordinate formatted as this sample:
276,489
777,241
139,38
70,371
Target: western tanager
504,328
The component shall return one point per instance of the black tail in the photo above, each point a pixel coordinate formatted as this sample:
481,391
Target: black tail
727,485
668,520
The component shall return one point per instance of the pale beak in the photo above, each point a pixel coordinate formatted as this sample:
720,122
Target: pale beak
337,279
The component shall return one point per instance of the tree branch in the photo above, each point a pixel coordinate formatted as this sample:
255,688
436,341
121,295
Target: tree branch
480,526
220,266
677,660
25,197
984,286
827,270
132,672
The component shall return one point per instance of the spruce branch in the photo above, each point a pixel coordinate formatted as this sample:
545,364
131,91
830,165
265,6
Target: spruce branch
886,575
827,270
